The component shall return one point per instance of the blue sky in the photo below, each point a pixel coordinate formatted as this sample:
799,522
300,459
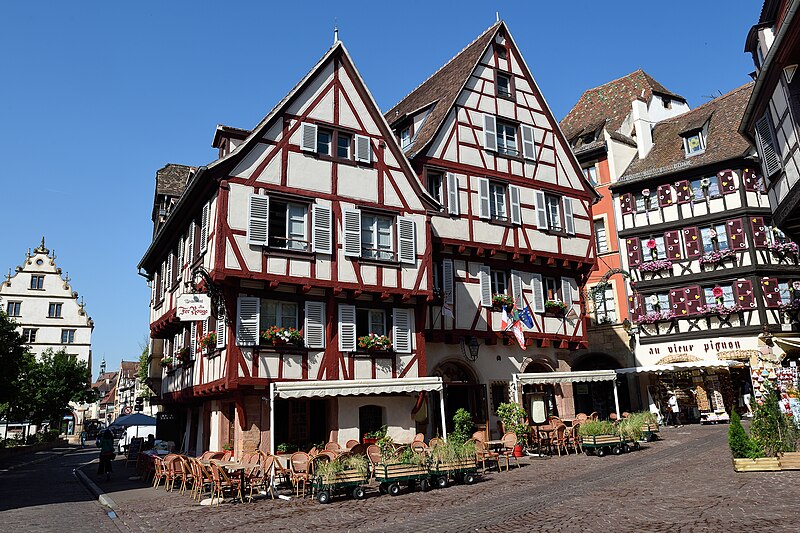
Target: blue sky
96,96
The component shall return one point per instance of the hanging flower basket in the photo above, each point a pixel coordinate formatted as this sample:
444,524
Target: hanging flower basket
656,266
374,343
499,301
785,248
277,336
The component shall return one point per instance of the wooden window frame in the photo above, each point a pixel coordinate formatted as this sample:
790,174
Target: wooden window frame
688,135
394,247
505,152
286,201
511,88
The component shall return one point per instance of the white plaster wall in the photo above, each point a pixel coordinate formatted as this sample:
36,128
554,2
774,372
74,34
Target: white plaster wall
396,412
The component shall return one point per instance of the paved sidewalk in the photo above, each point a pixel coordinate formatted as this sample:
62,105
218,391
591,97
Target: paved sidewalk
683,483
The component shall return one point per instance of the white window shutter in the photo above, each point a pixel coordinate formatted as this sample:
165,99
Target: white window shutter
204,229
569,222
321,229
347,328
566,291
538,293
314,327
528,146
490,132
452,194
541,212
248,319
769,157
448,281
181,245
516,210
363,152
193,340
351,226
401,330
258,220
190,241
168,275
485,277
483,198
308,137
406,240
516,289
221,327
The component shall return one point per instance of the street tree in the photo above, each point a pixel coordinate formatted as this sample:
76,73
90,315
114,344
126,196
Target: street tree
14,358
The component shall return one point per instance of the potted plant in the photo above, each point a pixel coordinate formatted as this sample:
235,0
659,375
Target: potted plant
513,416
372,437
285,447
374,343
228,447
278,336
499,301
166,362
208,341
555,307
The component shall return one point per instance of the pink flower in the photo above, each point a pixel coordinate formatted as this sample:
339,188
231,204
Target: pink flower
717,291
651,243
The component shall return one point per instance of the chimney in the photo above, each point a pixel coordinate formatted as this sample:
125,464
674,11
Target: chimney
641,122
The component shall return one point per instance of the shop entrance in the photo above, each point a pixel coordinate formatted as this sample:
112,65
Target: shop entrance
461,390
301,422
598,396
548,390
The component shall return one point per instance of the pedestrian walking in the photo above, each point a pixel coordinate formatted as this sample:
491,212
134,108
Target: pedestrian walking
107,454
674,409
83,439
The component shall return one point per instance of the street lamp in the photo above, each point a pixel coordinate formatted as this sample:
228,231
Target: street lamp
470,347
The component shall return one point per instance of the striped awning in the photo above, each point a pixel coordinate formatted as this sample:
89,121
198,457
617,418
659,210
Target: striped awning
355,387
566,377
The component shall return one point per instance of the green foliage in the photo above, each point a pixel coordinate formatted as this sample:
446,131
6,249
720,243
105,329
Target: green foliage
740,443
462,426
286,447
770,429
328,470
630,428
13,360
452,451
597,427
144,364
377,434
513,417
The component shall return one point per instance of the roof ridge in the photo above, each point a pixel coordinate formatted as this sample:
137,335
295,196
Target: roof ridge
706,104
499,22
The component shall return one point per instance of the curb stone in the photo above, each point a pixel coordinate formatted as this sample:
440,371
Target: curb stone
101,496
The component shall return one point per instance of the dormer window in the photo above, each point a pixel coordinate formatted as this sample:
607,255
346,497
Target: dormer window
405,137
667,102
502,51
694,143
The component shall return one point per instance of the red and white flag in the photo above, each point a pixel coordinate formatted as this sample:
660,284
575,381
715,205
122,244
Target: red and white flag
516,327
505,321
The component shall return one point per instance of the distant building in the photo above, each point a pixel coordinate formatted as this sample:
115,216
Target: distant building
607,128
129,387
771,119
46,308
103,409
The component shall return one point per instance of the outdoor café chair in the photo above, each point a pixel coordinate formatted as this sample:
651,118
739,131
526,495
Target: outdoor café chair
374,456
419,437
160,471
479,435
352,443
509,441
227,455
299,464
202,479
333,447
483,455
222,482
434,442
575,437
560,439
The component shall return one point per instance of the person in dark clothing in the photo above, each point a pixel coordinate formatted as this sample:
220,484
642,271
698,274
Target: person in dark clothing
106,454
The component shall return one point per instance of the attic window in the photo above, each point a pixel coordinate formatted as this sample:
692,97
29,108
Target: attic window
502,51
667,103
405,137
694,143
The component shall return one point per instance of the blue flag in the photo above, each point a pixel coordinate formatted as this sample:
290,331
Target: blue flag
525,317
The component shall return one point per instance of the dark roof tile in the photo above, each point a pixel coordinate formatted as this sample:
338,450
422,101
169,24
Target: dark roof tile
171,179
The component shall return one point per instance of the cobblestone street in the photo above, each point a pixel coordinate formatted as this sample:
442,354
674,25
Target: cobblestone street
683,483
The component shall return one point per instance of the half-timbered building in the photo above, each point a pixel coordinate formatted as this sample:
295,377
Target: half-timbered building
711,272
602,131
772,117
514,224
310,233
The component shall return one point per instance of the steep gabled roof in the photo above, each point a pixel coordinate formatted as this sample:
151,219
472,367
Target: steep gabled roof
610,103
723,140
441,90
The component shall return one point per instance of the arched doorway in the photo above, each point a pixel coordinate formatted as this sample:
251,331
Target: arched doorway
599,395
536,367
461,390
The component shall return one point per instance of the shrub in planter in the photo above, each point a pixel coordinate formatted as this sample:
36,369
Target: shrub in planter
453,452
770,429
555,306
597,427
630,428
513,417
740,443
462,426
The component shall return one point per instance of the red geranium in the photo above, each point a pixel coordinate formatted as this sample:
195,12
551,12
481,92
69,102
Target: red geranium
651,243
717,291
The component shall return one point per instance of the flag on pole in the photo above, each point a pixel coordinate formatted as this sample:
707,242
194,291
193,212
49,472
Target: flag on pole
447,311
526,317
505,320
516,327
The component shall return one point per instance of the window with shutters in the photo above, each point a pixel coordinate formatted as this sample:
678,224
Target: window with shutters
703,188
405,137
775,235
694,143
727,295
655,248
288,222
324,140
436,185
370,321
507,139
789,291
715,238
553,209
600,236
551,289
605,309
327,142
661,300
504,83
645,203
770,159
499,281
591,174
278,313
498,201
377,236
344,144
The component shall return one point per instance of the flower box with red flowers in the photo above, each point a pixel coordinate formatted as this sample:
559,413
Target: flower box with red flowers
184,355
499,301
208,341
277,336
374,343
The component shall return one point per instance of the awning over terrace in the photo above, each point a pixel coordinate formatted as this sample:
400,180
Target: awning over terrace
675,367
550,378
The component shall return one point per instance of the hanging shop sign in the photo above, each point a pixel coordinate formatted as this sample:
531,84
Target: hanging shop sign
193,307
722,348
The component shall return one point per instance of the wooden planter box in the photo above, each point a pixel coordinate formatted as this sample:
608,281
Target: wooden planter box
762,464
789,461
455,466
601,440
346,477
399,472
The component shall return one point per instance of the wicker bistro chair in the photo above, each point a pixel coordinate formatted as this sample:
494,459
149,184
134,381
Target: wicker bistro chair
575,437
359,449
300,464
227,455
419,447
479,436
509,441
352,443
374,456
159,471
483,455
581,417
419,437
333,447
170,472
435,442
222,482
188,477
202,479
560,439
